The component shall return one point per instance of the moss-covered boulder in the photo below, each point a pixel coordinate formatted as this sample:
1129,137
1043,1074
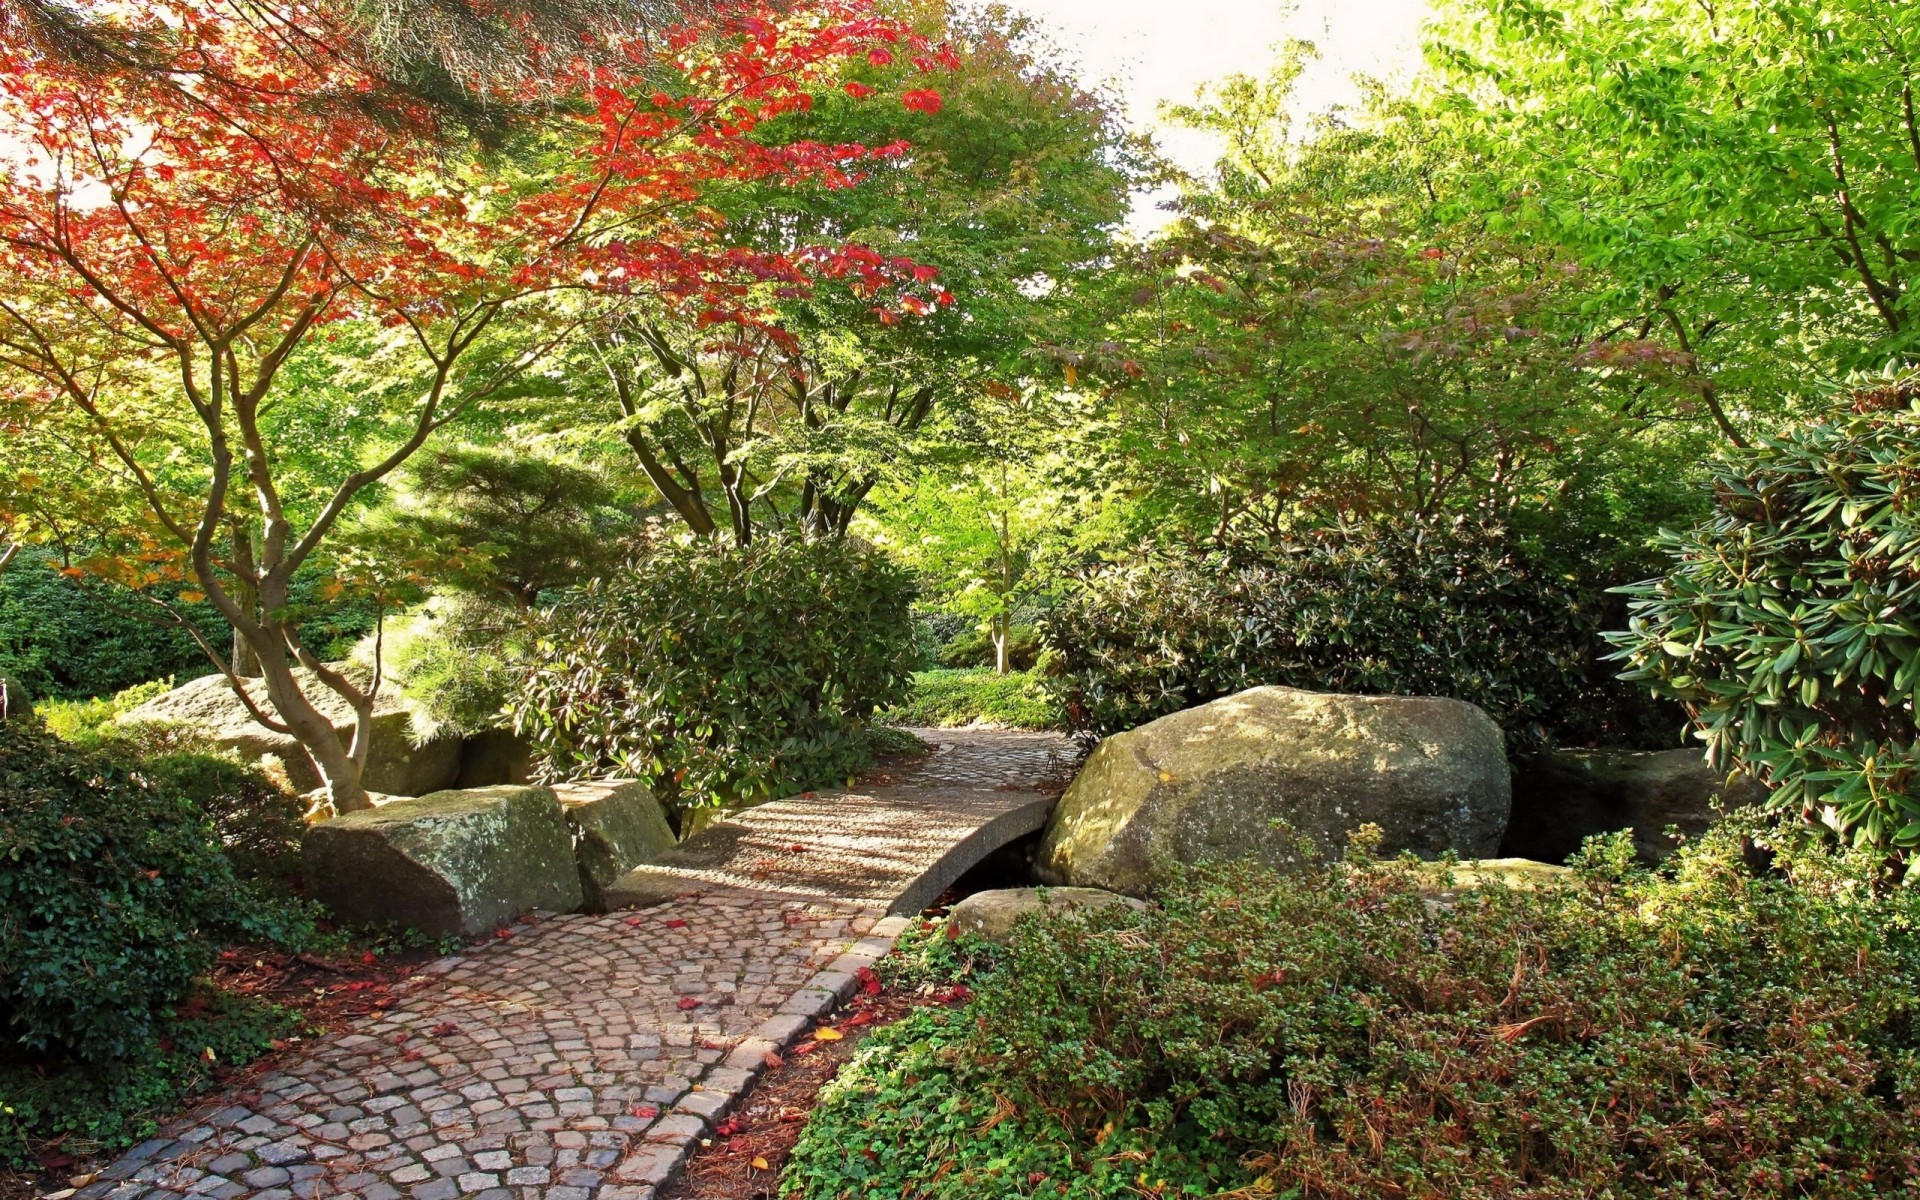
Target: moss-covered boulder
1229,780
394,764
616,825
993,914
460,862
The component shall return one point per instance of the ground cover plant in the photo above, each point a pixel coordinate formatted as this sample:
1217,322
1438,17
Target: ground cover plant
1348,1032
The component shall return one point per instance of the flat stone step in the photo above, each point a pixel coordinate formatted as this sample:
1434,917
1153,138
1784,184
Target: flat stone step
894,848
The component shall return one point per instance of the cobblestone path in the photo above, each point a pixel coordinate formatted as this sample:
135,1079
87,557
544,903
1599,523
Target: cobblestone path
582,1056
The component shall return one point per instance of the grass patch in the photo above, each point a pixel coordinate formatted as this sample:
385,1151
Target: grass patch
946,697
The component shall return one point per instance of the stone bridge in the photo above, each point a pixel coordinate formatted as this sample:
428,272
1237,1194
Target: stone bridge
582,1056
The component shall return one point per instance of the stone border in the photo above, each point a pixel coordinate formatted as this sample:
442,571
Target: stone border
722,1088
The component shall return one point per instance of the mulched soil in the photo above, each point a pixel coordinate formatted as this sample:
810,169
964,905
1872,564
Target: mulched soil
743,1159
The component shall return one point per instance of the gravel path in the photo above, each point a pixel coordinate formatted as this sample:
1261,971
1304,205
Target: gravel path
580,1057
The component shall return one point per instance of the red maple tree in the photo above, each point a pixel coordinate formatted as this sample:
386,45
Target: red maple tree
170,239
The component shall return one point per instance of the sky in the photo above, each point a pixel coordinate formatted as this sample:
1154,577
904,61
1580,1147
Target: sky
1160,50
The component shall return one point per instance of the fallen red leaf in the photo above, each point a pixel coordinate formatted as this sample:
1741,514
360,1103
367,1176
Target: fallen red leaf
445,1029
805,1048
728,1127
687,1003
869,982
857,1019
773,1061
503,933
636,921
676,923
646,1112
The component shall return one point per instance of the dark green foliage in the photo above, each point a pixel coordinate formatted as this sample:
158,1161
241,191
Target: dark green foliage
947,697
112,885
103,1107
1338,1034
973,647
502,521
65,638
1789,622
1413,608
257,824
722,673
105,886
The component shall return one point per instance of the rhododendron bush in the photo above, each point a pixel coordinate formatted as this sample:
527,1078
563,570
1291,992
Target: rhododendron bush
179,245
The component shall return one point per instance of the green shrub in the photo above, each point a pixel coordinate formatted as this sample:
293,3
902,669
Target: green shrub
112,886
1789,623
1433,609
720,673
91,1108
105,884
456,660
63,638
1340,1033
973,647
256,822
945,698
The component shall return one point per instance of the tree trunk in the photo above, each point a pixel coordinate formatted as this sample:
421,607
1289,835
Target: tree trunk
1000,637
246,663
337,765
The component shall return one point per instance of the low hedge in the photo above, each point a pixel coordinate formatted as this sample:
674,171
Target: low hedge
1342,1034
1449,608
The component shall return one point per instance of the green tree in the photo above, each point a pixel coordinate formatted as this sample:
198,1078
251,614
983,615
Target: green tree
1736,179
1016,178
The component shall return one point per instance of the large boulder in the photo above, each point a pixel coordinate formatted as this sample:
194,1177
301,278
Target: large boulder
616,825
992,915
394,764
454,862
1226,780
1563,797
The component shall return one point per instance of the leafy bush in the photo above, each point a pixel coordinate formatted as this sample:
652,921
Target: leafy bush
255,821
943,698
1789,623
973,647
106,883
64,638
722,673
102,1107
456,660
1340,1033
111,885
1432,609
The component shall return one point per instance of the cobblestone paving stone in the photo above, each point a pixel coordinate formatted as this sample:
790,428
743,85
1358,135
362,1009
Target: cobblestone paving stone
580,1057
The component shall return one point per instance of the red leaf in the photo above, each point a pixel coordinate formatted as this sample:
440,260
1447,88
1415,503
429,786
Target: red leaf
445,1029
688,1004
676,923
646,1112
